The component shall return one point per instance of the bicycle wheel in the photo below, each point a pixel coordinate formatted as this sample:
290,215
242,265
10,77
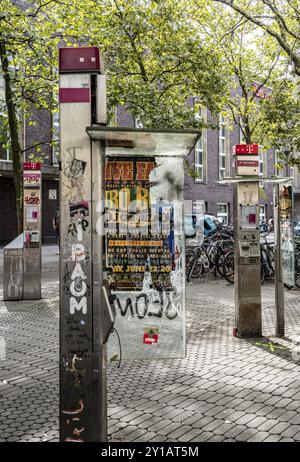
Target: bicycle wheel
198,269
194,266
189,263
228,267
220,263
270,259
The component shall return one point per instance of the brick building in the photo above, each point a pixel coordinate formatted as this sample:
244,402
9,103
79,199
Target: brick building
211,159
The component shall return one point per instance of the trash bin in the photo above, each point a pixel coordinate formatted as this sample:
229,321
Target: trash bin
13,269
21,271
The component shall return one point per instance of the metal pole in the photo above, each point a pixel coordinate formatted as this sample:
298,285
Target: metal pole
82,365
279,286
247,261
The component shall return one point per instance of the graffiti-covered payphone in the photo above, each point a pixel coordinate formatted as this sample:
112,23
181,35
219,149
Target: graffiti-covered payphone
121,213
144,257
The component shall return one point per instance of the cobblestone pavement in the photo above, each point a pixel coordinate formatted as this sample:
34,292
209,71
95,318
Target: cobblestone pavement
226,389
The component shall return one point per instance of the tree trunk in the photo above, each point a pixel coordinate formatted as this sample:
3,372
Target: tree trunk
14,135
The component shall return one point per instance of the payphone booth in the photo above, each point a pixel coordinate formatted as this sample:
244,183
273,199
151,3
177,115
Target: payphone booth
143,246
121,244
247,262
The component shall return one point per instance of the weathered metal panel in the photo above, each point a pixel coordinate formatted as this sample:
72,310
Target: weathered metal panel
76,317
32,274
12,274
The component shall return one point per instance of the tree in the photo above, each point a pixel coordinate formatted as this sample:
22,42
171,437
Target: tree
156,61
30,33
154,58
279,18
251,63
280,123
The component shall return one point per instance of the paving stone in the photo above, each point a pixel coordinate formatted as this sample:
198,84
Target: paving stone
267,425
272,439
179,432
216,439
297,437
279,428
212,425
204,436
226,389
295,419
191,435
258,437
290,431
200,423
245,419
246,435
256,422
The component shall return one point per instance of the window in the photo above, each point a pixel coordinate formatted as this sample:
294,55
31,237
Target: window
263,166
262,213
278,165
55,138
222,147
222,213
200,148
5,154
261,163
199,161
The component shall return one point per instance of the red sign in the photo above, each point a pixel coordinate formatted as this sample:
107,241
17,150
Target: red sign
79,59
245,149
74,95
32,166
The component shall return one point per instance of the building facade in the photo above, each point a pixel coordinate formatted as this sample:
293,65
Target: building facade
209,161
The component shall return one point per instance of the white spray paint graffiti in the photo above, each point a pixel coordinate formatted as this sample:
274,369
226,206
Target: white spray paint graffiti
78,286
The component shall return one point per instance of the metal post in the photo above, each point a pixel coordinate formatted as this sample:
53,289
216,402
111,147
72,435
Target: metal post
247,243
82,368
247,261
279,286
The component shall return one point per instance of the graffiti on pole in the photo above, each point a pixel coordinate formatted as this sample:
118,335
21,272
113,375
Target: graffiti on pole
287,233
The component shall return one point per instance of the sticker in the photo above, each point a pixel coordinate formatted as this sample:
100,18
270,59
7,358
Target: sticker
31,214
150,335
79,209
32,179
31,238
52,194
252,218
31,197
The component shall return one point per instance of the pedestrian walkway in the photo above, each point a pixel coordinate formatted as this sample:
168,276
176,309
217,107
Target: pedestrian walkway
226,389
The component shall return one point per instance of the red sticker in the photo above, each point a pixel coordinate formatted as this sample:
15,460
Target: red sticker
252,218
150,335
